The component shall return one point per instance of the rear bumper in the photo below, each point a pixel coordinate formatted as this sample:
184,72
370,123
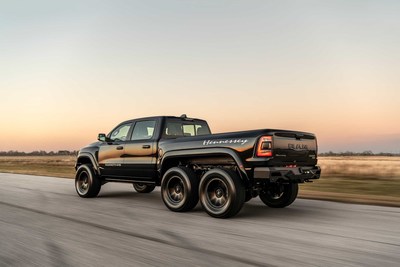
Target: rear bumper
297,174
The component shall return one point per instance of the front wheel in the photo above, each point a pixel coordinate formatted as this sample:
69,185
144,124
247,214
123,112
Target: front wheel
222,193
279,195
143,188
87,184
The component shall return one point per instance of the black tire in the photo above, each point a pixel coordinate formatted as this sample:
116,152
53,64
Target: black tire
87,184
279,195
222,193
143,188
179,189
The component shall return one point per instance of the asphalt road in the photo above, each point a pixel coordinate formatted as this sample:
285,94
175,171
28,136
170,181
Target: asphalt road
44,223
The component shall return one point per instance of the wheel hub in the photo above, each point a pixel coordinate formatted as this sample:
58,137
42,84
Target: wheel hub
219,193
82,183
174,191
276,192
178,189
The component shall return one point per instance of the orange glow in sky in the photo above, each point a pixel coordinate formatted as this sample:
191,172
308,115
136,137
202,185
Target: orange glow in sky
70,70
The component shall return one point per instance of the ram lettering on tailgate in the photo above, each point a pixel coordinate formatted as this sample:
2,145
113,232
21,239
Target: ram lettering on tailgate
298,146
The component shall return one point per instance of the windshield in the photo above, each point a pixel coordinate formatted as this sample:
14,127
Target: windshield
178,128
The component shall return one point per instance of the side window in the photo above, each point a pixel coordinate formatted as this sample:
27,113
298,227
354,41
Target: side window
188,130
120,133
176,128
173,129
202,130
143,130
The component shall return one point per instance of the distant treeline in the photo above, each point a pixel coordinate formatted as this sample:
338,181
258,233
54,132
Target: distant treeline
39,153
365,153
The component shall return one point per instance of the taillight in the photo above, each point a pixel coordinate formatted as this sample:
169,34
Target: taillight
264,147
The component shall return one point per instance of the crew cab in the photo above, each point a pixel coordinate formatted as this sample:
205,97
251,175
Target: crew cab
179,154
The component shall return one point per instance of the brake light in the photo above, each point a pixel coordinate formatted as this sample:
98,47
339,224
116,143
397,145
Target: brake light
264,147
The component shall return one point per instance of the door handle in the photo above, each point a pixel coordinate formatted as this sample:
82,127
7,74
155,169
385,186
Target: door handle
146,146
120,147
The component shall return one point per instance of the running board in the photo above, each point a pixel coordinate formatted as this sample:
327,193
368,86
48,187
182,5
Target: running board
128,181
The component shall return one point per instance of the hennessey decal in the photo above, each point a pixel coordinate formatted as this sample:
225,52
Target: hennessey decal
227,141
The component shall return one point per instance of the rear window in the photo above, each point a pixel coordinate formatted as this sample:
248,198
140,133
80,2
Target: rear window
180,128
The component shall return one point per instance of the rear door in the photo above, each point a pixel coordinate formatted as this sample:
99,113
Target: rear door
141,150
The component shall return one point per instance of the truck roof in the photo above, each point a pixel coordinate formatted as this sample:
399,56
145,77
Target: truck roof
182,117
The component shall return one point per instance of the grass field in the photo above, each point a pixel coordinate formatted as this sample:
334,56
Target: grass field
374,180
58,166
366,179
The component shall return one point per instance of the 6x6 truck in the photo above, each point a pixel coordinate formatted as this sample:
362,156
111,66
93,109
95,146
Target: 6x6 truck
181,155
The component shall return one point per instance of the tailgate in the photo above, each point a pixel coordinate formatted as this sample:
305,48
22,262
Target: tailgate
295,148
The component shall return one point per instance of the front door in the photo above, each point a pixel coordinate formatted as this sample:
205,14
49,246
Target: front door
111,154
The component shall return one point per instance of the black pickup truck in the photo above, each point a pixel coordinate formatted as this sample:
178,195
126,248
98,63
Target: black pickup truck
181,155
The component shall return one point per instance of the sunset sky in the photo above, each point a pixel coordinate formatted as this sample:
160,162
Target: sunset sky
72,69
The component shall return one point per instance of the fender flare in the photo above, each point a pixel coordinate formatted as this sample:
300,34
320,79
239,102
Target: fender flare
92,160
203,152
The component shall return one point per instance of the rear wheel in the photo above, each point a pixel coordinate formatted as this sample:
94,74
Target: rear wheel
143,188
179,189
279,195
87,184
222,193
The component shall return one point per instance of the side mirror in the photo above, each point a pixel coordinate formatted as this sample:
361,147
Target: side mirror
102,137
